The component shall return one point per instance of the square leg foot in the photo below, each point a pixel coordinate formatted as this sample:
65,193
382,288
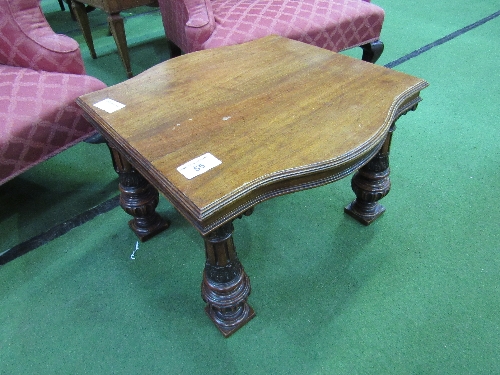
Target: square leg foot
228,331
365,217
145,234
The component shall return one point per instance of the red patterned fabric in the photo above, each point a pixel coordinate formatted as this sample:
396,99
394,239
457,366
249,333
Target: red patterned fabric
26,40
39,117
38,114
332,24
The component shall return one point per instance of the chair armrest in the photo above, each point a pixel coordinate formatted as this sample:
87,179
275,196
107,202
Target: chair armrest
188,23
201,22
28,41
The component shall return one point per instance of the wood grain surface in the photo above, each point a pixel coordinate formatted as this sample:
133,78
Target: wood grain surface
280,115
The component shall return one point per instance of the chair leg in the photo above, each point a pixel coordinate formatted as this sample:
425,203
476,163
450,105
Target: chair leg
174,50
95,139
372,51
61,4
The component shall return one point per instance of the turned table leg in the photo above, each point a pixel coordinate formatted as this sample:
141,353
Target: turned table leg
138,198
226,286
370,184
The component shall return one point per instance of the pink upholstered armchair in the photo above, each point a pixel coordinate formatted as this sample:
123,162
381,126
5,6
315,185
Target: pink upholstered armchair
194,25
41,75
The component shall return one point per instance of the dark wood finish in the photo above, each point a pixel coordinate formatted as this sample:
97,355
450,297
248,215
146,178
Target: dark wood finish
282,116
113,9
226,286
372,51
139,199
175,51
371,182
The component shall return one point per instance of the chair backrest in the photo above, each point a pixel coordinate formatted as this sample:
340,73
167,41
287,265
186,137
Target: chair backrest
28,41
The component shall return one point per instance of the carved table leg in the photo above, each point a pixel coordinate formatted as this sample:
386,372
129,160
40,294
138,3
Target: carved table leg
139,199
370,184
226,286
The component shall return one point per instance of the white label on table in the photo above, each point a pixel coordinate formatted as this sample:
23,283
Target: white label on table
199,165
109,105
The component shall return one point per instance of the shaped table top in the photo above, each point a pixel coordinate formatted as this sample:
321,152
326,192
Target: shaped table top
273,115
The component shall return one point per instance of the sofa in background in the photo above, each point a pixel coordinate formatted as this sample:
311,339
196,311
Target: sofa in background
336,25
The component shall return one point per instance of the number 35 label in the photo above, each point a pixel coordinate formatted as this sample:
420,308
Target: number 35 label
199,165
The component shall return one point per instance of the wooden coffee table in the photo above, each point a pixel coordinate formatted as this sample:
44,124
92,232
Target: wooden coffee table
218,131
113,9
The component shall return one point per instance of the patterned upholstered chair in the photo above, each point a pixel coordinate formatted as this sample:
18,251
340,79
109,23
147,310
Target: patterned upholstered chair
193,25
41,75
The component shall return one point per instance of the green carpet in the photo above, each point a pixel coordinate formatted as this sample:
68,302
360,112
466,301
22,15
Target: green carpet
417,292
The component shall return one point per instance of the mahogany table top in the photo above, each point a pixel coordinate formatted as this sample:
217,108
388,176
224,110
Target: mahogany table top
279,115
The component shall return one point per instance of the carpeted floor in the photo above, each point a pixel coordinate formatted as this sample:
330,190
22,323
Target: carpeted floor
417,292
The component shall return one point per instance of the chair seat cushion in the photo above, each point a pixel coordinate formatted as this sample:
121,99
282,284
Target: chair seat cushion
38,116
331,24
